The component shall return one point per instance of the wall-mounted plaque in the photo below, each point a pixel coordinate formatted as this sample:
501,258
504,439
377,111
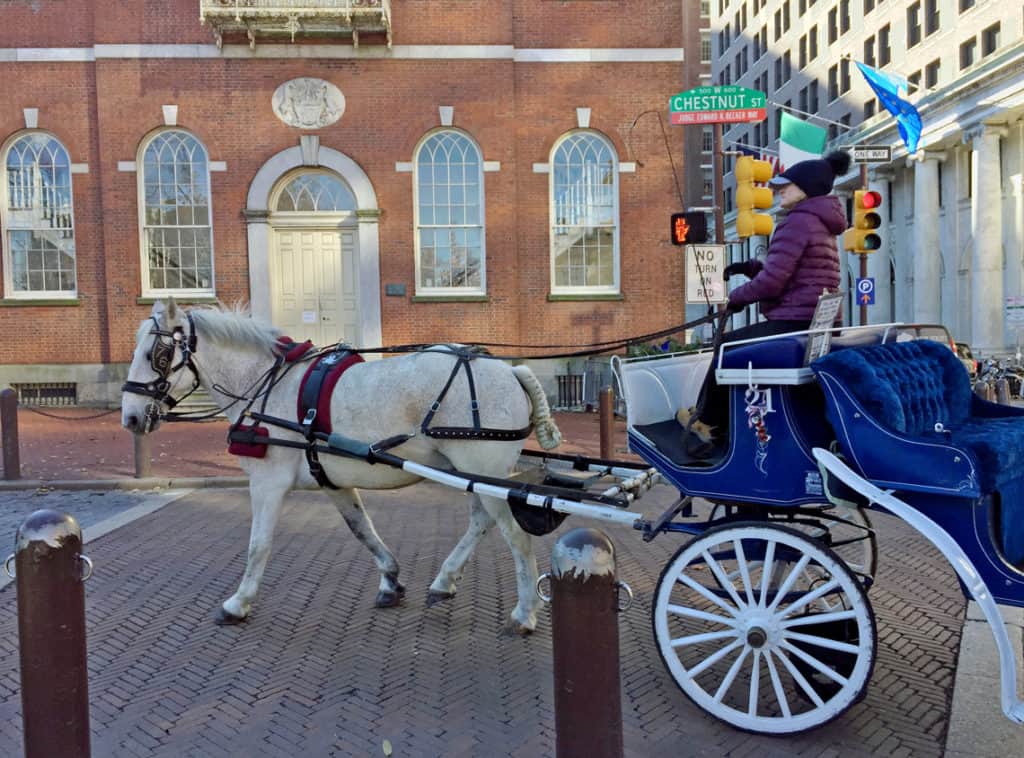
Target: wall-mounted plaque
308,103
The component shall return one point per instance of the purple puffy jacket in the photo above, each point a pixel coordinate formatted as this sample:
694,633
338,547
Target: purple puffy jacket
803,259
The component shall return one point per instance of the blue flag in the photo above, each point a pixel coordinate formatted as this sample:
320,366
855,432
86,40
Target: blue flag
887,88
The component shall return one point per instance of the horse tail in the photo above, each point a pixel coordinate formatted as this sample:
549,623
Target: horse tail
547,432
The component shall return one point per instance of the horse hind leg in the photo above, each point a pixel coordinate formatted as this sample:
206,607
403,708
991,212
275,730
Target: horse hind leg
350,506
443,587
524,616
266,496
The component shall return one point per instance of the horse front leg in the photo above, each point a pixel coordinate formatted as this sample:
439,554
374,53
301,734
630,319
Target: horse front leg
350,506
443,586
524,616
266,496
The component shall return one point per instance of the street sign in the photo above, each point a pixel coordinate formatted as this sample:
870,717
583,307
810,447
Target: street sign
871,153
705,265
718,105
866,291
1015,312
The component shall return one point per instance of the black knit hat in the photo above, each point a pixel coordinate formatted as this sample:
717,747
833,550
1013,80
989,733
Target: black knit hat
815,177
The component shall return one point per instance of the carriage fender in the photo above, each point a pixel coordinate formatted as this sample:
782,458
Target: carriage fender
1012,706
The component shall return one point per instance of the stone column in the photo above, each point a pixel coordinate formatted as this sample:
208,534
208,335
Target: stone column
987,333
258,228
927,253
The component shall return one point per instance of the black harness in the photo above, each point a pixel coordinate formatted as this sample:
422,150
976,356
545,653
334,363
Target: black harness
161,359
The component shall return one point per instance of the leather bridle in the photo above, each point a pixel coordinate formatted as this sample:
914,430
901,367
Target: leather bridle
161,360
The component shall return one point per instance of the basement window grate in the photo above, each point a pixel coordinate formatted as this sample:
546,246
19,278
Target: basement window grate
47,393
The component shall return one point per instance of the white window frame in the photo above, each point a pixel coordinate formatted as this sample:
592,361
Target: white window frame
416,226
147,289
614,287
5,225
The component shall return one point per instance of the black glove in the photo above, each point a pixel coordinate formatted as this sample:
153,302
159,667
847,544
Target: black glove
731,307
734,268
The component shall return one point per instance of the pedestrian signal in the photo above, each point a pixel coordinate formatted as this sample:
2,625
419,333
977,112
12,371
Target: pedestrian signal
861,237
749,197
689,228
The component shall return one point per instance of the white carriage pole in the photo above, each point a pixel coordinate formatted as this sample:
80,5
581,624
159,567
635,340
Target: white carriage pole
1012,706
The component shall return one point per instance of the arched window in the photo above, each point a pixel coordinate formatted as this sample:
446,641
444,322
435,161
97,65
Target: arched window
177,238
449,209
38,219
584,215
315,191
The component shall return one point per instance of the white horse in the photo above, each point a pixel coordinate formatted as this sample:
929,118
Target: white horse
226,352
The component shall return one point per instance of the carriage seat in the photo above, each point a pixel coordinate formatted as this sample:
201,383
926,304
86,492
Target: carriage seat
910,387
787,351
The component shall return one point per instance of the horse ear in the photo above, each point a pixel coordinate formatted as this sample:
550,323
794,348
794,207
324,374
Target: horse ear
172,309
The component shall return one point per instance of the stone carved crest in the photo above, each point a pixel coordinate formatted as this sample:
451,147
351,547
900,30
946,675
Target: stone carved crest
308,103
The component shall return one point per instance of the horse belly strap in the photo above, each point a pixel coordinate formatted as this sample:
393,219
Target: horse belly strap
318,385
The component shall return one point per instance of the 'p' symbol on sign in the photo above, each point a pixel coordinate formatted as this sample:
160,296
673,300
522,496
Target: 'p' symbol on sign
866,291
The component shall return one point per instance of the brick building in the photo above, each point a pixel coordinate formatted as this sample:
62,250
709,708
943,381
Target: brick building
358,170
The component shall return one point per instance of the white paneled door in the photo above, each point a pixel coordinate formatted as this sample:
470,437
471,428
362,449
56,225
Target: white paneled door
314,284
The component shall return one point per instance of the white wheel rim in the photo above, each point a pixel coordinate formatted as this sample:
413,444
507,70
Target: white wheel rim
754,654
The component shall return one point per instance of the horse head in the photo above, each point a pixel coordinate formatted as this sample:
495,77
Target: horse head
161,364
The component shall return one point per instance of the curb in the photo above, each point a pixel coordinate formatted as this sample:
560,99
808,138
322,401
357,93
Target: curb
148,483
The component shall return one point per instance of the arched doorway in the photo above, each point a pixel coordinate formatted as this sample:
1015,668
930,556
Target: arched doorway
313,250
314,246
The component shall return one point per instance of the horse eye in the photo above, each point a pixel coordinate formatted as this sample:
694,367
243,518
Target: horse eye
149,356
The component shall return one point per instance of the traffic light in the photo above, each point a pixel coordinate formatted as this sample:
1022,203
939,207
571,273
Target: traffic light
750,197
689,228
861,237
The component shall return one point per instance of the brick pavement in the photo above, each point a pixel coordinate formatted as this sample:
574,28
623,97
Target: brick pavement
318,671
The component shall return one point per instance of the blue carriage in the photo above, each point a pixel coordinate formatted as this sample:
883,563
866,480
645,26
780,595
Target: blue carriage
763,617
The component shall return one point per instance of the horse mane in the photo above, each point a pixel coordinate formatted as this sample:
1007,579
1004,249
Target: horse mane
234,325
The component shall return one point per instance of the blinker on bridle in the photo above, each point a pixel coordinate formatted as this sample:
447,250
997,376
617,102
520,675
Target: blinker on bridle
161,360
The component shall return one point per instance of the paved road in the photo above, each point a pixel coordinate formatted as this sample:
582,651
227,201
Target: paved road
319,672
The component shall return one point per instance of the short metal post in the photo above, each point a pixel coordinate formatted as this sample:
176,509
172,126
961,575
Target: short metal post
585,640
1003,391
9,434
143,457
606,406
50,571
981,389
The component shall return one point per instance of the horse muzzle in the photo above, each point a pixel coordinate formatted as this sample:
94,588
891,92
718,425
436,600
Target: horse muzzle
146,423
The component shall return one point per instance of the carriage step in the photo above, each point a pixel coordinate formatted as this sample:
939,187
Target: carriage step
571,479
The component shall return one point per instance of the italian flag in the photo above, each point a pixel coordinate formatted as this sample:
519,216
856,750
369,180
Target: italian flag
799,141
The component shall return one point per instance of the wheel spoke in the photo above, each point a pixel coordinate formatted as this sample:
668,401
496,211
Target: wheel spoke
704,592
766,573
722,578
711,660
819,618
730,677
696,639
755,683
814,663
741,559
681,610
810,597
799,679
797,570
780,693
825,642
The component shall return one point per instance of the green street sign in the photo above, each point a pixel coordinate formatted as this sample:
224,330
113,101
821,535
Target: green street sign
718,105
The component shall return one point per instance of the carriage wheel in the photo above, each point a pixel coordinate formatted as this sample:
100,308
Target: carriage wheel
760,651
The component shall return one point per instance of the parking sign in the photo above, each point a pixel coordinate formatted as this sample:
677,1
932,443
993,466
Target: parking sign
866,291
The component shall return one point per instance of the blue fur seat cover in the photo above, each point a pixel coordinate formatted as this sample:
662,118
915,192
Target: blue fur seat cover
908,387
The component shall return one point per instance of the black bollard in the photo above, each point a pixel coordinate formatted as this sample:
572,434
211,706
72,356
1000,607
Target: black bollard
49,572
585,641
9,434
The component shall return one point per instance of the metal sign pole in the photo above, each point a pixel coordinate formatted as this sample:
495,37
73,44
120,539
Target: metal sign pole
719,177
863,257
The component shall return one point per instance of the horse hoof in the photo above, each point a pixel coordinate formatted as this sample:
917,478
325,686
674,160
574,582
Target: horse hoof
434,597
514,629
389,598
223,618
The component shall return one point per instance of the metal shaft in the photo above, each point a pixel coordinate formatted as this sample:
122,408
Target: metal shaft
51,636
143,457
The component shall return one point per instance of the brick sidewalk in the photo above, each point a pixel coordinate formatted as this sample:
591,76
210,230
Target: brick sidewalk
318,671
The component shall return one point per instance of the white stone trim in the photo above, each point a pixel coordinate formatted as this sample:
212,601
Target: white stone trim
541,168
490,166
398,52
403,167
309,144
583,118
128,166
170,115
446,114
218,166
627,167
79,168
31,118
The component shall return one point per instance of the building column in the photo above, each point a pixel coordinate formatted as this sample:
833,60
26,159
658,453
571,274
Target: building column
987,333
927,253
878,261
258,232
